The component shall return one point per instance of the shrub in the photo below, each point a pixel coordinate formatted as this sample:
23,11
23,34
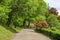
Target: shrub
52,21
41,24
54,34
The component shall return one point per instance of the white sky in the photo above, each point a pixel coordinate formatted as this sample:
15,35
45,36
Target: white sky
54,3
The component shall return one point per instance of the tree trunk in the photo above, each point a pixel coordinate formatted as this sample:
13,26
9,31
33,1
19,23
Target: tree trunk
24,22
28,24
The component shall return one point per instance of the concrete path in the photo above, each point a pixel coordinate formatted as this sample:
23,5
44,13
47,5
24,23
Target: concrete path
29,34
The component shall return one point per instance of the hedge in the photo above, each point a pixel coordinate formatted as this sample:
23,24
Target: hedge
52,33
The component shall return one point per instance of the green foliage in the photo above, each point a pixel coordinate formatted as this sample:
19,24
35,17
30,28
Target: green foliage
4,10
41,18
27,9
52,21
18,21
54,33
7,32
14,12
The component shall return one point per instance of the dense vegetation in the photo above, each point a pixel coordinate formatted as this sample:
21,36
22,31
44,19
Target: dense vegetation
15,13
53,26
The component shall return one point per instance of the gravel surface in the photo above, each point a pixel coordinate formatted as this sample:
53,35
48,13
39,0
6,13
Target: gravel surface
29,34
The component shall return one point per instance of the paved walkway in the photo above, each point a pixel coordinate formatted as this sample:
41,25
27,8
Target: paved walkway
29,34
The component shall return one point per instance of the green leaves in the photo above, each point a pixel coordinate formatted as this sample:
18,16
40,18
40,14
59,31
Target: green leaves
30,8
52,20
41,18
4,10
15,10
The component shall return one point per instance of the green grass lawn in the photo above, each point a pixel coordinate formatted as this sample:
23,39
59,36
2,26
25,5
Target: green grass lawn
7,32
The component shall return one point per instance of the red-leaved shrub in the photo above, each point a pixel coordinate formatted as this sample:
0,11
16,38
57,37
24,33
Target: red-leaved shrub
41,24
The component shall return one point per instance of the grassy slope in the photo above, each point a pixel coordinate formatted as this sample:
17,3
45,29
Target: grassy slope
5,34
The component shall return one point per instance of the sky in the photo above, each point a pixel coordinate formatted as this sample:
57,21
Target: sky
54,3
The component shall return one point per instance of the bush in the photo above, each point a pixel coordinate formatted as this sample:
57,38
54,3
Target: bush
52,33
41,24
52,21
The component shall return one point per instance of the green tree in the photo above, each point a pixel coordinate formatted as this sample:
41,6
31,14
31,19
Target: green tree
25,9
30,9
14,8
4,10
52,21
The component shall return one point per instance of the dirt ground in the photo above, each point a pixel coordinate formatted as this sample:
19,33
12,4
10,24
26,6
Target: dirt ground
29,34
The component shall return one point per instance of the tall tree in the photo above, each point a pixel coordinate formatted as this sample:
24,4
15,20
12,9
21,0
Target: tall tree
53,11
52,21
27,9
31,9
14,8
4,10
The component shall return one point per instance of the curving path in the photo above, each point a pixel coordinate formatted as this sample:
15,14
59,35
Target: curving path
29,34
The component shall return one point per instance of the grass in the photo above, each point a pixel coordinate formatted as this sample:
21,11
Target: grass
7,32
